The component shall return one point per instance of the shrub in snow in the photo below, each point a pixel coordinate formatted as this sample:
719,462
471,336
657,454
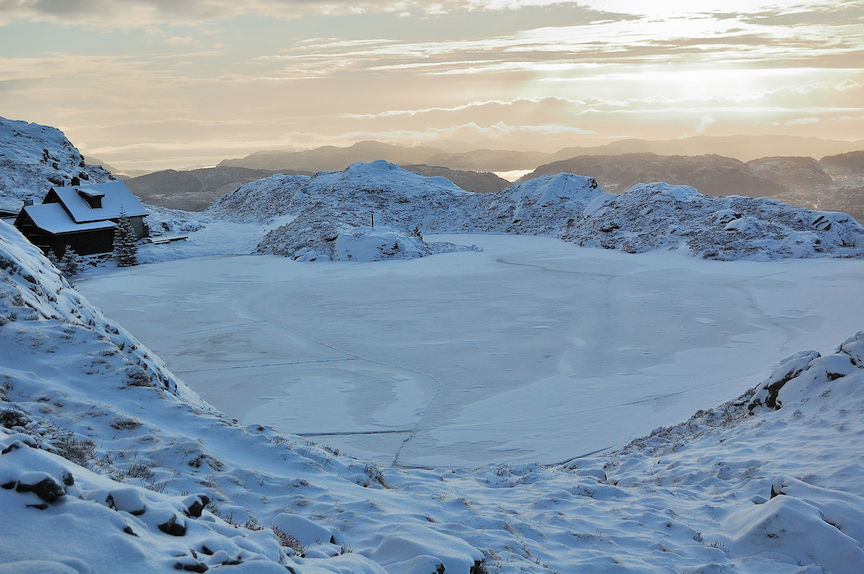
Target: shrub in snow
70,264
304,531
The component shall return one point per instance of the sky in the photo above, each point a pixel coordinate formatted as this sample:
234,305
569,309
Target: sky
152,84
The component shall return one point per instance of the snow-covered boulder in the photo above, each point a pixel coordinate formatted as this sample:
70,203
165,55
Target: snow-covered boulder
33,158
808,373
318,241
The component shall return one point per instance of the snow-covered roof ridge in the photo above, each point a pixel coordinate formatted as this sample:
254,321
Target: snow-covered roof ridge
53,218
33,158
115,199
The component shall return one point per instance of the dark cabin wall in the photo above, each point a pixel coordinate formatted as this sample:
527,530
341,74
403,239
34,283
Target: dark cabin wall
82,242
85,242
139,227
35,235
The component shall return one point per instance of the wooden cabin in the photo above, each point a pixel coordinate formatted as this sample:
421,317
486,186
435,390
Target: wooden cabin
81,216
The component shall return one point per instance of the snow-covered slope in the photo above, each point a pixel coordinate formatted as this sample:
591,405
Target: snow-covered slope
33,158
574,208
78,386
101,442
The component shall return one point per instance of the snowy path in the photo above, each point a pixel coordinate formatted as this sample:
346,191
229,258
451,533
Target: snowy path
531,350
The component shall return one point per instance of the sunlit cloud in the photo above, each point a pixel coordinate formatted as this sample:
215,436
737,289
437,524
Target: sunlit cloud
706,121
802,121
139,13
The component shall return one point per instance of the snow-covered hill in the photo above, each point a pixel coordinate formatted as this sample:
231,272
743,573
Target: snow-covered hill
33,158
101,442
572,207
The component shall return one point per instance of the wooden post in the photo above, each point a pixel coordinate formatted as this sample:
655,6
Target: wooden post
372,213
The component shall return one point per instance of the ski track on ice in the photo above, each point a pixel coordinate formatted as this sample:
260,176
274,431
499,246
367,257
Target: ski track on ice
264,365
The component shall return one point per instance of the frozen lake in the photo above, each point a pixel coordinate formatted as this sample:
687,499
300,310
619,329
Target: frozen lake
531,350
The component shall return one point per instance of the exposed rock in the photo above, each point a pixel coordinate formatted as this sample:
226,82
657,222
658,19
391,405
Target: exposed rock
195,504
788,369
174,526
43,485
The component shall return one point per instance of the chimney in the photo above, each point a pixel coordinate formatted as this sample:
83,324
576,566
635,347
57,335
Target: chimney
28,202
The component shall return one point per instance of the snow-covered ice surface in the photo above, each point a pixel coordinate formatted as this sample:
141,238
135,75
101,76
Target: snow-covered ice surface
530,350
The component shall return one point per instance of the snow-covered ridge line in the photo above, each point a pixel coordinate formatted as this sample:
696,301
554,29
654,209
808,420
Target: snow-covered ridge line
33,158
571,207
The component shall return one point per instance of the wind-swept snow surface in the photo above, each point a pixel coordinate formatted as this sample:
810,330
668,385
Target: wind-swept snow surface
529,350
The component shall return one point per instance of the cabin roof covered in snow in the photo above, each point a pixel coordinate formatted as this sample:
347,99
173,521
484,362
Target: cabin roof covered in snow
115,196
51,217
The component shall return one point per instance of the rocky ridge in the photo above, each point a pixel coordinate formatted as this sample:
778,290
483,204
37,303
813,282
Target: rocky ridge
33,158
574,208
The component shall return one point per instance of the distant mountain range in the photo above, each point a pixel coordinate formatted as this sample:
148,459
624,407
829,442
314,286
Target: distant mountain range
835,183
743,148
36,157
196,189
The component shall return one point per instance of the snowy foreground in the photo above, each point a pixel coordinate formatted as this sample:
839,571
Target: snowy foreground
531,350
109,462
